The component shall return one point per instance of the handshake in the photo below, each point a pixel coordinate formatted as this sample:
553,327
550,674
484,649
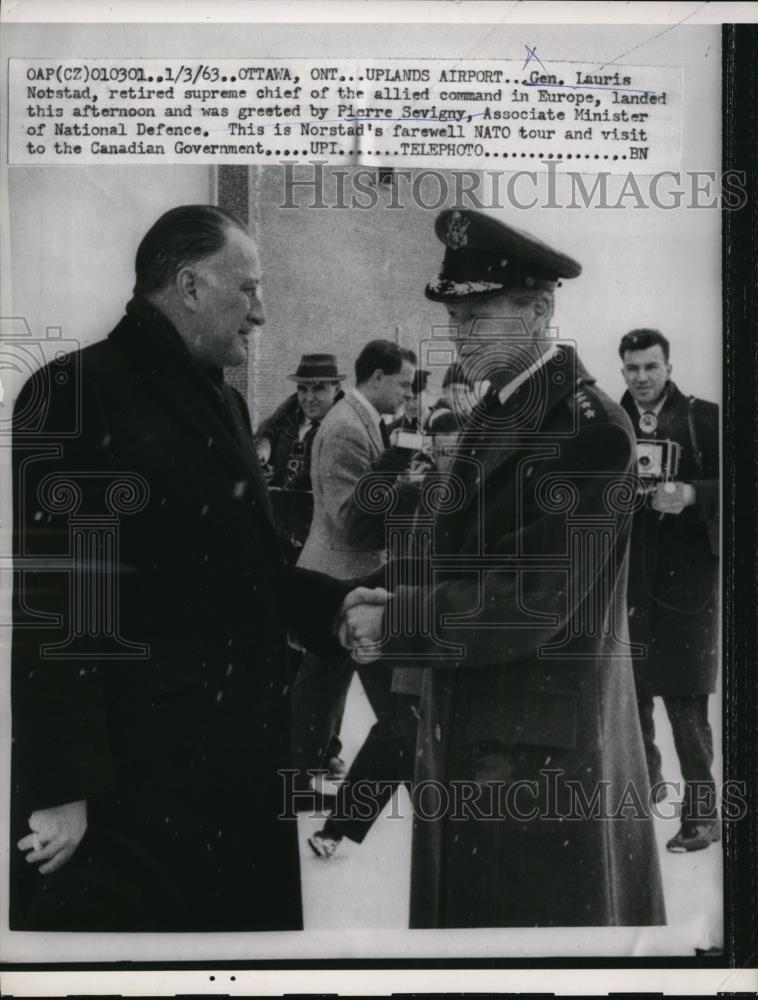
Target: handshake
359,625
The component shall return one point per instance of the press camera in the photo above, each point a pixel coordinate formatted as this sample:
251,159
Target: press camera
657,462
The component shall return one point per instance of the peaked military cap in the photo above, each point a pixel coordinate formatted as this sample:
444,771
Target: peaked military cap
485,257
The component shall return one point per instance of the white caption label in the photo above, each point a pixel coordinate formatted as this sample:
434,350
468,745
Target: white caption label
384,112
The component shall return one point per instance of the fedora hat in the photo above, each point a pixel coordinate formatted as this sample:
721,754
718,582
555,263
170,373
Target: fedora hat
317,368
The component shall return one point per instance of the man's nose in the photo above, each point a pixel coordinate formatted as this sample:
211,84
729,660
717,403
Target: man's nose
256,314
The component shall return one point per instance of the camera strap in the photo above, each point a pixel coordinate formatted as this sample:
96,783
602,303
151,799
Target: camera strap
696,452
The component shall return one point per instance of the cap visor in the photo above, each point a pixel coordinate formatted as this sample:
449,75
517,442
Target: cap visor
466,291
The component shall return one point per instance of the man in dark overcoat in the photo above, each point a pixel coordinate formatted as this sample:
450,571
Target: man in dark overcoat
673,579
531,792
152,606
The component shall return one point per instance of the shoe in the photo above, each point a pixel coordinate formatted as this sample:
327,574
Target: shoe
695,837
324,846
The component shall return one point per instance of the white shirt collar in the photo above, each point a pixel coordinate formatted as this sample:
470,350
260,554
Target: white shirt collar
372,410
305,426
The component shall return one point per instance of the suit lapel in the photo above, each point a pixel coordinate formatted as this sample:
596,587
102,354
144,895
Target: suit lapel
365,417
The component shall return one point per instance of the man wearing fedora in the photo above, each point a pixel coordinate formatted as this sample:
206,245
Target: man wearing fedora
285,442
531,794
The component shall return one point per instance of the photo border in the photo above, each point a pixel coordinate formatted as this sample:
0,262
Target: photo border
740,590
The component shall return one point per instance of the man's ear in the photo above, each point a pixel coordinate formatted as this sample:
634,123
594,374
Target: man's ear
187,287
540,307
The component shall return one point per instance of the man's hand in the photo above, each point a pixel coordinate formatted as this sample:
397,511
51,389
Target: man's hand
361,622
672,498
56,834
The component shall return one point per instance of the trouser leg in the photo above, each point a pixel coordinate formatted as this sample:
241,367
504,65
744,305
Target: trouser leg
318,703
693,740
384,761
646,709
377,683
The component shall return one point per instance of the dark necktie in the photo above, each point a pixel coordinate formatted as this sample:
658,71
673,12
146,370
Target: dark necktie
305,475
385,434
310,435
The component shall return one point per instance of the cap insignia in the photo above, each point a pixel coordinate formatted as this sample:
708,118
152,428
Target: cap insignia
457,226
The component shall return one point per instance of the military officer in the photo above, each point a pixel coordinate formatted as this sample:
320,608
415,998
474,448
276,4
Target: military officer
528,711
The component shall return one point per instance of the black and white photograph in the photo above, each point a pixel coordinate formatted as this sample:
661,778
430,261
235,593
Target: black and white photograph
362,541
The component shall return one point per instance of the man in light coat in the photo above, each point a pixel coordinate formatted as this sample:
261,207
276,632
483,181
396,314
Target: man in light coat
349,443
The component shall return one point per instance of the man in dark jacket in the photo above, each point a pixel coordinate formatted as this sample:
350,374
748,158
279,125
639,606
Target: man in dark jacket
531,792
673,577
152,605
285,443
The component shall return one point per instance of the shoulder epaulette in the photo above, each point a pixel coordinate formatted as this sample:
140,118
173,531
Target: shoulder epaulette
585,402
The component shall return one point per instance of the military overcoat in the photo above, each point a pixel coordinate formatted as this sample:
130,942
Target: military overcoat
531,791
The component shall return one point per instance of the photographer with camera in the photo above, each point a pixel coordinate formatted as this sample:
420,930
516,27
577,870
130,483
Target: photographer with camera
285,441
673,574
